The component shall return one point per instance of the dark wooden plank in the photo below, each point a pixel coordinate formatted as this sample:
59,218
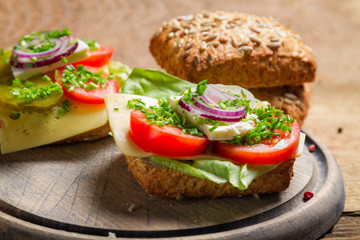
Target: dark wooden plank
346,228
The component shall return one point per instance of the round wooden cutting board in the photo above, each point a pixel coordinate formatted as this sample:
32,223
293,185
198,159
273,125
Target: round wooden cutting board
84,191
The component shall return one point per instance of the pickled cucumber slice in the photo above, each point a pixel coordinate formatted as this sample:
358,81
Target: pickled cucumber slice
29,103
5,67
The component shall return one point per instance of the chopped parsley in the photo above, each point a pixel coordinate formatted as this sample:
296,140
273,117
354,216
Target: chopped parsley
82,78
234,104
200,88
65,107
93,45
28,92
269,119
64,59
163,115
43,44
202,120
2,52
15,116
46,78
5,56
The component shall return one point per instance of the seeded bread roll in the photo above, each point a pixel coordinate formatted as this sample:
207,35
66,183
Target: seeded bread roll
233,48
166,183
293,100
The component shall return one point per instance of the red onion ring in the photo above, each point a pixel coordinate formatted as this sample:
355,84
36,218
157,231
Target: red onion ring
202,113
22,54
64,51
218,92
239,112
215,95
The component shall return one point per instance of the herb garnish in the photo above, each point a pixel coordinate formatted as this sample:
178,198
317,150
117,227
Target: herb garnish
15,116
93,45
163,115
4,56
29,93
44,43
268,120
65,107
83,78
200,88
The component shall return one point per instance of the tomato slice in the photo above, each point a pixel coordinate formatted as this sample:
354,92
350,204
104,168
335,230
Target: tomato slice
95,96
271,151
98,58
167,141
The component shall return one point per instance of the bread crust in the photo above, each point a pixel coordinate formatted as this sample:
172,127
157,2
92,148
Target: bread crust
293,100
233,48
167,183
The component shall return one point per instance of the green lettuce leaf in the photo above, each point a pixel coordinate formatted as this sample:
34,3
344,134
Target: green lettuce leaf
240,176
120,71
154,83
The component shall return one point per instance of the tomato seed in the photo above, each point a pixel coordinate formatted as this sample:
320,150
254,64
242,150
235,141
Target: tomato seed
308,195
312,148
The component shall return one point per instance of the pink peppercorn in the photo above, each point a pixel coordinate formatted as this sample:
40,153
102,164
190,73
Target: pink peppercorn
308,195
312,148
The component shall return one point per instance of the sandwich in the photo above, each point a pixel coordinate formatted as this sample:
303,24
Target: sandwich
266,69
255,52
52,88
186,140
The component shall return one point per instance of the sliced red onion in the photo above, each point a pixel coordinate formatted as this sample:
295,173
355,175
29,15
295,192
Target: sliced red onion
216,95
219,92
64,51
191,108
206,104
239,112
22,54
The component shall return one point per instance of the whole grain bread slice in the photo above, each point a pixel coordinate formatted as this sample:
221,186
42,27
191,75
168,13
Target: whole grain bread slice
167,183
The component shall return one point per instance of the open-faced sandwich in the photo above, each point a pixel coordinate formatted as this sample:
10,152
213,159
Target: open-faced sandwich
52,88
186,140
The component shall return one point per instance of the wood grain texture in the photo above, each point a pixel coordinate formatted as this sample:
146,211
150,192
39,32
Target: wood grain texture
86,190
88,184
330,27
346,228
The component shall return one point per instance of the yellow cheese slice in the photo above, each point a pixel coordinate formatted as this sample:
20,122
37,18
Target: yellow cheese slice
37,129
119,120
301,144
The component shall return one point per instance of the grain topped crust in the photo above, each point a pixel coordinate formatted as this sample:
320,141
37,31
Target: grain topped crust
233,48
167,183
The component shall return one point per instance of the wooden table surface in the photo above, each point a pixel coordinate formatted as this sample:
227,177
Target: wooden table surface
330,27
